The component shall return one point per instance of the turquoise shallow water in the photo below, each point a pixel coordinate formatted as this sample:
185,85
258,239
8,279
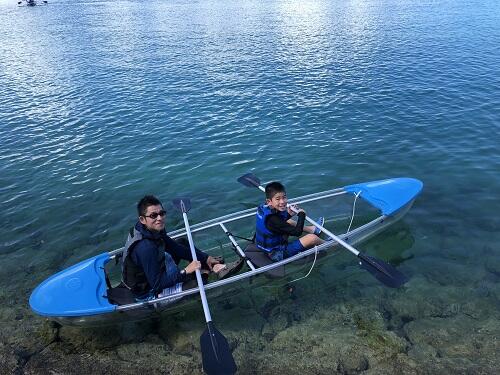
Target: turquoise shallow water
101,102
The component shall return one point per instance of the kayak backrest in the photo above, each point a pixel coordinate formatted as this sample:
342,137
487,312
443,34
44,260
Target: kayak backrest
120,295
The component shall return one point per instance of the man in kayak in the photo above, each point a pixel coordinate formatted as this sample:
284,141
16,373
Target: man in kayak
150,262
274,225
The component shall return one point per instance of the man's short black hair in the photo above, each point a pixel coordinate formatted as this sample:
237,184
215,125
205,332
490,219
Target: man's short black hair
145,202
274,188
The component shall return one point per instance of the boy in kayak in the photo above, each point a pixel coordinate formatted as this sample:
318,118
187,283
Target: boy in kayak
150,262
274,225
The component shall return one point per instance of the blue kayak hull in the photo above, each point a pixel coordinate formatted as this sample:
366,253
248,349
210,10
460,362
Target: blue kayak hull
78,294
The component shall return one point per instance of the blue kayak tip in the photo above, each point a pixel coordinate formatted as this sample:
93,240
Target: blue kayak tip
388,195
76,291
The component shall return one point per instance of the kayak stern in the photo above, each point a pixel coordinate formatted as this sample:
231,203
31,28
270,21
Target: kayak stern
76,291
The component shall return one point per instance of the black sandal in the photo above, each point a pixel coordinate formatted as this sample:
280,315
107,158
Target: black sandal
230,269
219,259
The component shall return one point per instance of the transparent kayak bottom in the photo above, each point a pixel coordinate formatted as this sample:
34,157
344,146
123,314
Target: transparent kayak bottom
365,224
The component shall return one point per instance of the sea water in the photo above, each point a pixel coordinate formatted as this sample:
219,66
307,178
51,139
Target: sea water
102,102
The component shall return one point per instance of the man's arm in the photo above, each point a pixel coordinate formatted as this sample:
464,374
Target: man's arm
277,225
179,251
144,257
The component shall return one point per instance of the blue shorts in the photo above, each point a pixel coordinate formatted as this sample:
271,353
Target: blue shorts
292,248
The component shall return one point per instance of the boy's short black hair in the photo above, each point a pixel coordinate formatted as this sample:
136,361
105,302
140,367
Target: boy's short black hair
145,202
274,188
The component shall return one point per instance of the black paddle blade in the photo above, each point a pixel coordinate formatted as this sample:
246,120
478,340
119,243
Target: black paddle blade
249,180
216,356
382,271
183,204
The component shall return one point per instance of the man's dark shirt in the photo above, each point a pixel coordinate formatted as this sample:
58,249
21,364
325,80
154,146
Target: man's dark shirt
145,256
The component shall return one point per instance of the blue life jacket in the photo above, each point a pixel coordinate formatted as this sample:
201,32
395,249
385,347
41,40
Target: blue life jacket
264,238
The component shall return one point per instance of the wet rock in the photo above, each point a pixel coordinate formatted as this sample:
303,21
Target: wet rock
276,323
457,344
422,352
419,299
241,320
372,331
184,342
10,362
49,332
105,337
144,352
56,360
484,289
399,364
268,308
352,362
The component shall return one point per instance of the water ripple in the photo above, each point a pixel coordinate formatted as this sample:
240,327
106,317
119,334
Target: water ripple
113,100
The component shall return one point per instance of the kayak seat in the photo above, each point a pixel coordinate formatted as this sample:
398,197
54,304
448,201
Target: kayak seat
260,259
120,295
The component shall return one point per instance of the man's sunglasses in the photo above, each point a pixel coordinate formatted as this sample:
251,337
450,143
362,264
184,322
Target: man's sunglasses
154,215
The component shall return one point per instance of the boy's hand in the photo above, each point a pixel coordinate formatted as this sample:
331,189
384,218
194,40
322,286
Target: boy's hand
294,209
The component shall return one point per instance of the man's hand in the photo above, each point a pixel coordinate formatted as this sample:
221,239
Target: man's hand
211,262
193,266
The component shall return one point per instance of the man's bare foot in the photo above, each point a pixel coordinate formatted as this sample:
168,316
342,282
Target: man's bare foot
218,267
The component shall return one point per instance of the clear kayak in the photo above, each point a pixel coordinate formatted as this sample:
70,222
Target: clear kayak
81,294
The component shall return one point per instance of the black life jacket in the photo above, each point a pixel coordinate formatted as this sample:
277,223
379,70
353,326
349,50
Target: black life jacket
133,276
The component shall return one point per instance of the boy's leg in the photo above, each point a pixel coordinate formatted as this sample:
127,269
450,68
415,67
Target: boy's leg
310,240
293,248
312,229
303,243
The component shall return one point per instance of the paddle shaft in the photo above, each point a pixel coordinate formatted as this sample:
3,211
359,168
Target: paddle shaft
330,234
215,352
240,252
203,296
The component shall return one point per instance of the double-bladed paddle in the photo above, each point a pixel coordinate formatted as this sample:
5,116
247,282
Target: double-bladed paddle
216,355
382,271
